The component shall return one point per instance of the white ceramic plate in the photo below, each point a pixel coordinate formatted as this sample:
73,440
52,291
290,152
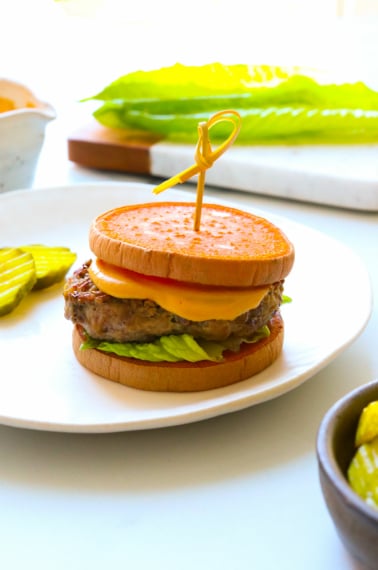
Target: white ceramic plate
43,387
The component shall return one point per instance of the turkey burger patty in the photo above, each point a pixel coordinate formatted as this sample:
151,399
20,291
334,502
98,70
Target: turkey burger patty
108,318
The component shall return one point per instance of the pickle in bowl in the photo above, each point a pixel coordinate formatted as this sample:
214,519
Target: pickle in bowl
363,469
348,470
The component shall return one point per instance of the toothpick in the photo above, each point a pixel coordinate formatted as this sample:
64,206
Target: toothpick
204,157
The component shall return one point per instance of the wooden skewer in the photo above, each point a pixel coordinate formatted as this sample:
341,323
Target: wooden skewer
204,157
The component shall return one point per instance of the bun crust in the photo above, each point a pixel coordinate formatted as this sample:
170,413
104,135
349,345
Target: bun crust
184,376
232,248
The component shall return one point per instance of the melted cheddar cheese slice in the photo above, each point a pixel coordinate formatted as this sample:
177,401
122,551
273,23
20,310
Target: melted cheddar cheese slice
194,302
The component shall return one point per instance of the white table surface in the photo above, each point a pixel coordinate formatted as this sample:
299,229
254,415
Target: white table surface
235,492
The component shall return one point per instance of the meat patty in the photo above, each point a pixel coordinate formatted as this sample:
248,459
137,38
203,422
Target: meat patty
127,320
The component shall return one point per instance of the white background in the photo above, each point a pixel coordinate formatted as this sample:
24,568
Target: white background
69,49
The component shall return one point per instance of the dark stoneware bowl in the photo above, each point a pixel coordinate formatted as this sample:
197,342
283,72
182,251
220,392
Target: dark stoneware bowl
355,521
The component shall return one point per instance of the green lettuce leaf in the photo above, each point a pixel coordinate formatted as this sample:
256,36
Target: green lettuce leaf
258,124
276,104
183,88
190,81
173,348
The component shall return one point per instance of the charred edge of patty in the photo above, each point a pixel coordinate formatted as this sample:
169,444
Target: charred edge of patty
141,320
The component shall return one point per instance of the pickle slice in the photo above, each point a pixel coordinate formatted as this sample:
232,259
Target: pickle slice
367,428
363,472
17,277
51,263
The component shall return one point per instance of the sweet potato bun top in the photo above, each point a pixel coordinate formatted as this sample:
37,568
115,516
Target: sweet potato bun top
232,247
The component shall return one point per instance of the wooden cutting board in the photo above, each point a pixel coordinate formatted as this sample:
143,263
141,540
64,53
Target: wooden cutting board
94,146
343,176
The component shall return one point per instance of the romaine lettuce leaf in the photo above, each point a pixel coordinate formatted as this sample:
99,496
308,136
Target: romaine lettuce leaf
190,81
258,124
173,348
276,104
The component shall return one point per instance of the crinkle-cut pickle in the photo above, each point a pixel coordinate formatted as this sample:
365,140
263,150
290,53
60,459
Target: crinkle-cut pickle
30,267
17,277
51,263
363,469
367,428
363,472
